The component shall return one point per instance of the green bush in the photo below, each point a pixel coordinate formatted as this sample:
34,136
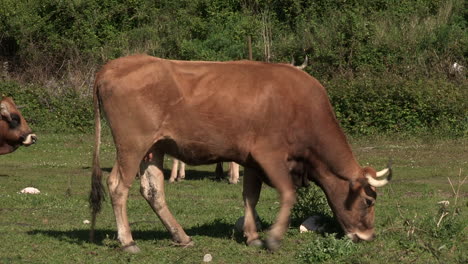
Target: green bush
363,106
386,64
66,111
352,37
327,248
310,201
371,105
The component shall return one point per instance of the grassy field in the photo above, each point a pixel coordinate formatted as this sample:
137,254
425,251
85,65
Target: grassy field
49,228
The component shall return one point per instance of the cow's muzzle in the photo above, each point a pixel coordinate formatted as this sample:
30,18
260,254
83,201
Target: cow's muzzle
29,140
358,236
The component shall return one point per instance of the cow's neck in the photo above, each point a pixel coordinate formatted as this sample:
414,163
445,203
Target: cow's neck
332,151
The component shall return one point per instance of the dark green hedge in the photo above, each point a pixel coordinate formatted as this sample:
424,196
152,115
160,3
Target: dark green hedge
364,107
61,112
405,37
370,106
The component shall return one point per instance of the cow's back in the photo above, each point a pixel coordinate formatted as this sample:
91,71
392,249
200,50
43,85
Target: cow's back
220,108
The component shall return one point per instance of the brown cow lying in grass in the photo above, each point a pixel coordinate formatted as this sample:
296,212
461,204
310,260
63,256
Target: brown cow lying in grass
14,130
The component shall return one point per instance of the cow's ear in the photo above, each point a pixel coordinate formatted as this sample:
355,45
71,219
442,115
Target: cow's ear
4,112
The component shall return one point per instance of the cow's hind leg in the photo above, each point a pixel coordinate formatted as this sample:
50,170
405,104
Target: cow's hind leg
119,182
252,186
152,189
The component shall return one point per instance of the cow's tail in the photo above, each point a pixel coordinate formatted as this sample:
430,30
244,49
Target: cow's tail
96,195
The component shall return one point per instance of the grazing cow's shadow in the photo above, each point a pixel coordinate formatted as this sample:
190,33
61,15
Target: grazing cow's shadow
217,228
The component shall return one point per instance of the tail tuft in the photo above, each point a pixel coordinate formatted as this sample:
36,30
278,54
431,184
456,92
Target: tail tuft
97,193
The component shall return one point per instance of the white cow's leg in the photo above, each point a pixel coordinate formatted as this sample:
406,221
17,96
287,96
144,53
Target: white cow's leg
233,172
175,164
181,171
251,193
152,189
119,182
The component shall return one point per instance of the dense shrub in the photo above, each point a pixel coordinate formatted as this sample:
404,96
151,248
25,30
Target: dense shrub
363,106
310,201
355,37
65,111
387,64
369,106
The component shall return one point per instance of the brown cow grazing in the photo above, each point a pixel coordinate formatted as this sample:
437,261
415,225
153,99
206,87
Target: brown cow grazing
14,131
273,119
178,171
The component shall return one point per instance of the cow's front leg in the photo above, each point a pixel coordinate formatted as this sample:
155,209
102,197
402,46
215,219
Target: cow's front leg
252,186
278,174
287,200
152,189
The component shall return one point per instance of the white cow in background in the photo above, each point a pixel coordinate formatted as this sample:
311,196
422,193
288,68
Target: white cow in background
178,172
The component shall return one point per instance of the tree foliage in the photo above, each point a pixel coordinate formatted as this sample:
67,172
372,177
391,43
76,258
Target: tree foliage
339,35
60,44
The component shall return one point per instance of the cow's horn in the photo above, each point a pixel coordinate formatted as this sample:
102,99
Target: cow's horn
387,173
292,62
383,172
304,64
4,112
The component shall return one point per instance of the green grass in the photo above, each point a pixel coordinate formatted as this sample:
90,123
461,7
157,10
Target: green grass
49,228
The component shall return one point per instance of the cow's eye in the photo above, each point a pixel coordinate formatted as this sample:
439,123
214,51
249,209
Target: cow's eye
369,202
15,121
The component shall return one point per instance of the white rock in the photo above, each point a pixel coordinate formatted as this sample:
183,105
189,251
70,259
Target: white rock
311,224
444,204
30,190
86,222
456,68
207,258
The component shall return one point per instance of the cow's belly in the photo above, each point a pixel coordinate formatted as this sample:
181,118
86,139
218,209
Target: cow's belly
196,153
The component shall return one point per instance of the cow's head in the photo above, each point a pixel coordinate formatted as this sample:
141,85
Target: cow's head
353,202
14,131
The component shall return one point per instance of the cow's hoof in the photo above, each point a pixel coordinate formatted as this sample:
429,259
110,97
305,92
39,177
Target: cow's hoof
272,244
255,243
184,244
188,244
132,248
